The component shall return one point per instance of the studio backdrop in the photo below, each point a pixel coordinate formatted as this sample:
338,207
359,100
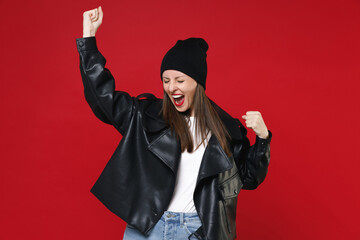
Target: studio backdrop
297,62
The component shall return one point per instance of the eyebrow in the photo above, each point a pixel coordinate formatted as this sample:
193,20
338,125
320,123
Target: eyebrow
175,77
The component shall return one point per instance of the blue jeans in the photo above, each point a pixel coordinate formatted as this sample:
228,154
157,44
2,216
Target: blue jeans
171,226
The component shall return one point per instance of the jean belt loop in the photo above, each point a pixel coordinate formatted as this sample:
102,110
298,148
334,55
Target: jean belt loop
182,219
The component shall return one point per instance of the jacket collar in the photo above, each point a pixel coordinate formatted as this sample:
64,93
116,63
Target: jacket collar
233,125
152,120
168,149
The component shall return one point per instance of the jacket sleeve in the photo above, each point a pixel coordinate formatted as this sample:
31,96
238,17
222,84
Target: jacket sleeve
110,106
252,161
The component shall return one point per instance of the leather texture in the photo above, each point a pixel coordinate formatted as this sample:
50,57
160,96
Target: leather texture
138,181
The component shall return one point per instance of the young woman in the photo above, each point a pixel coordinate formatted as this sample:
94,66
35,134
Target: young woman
182,161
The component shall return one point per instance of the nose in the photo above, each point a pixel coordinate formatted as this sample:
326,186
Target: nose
172,86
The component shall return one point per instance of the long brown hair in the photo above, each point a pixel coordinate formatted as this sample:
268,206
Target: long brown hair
206,119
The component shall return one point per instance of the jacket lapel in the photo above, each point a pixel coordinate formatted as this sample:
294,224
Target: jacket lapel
214,161
167,148
162,142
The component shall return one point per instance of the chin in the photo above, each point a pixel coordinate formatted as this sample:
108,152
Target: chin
181,110
184,111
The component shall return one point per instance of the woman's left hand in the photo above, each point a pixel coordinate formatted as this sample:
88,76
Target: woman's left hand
254,121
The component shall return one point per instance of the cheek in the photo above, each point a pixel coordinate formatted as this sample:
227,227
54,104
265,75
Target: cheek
165,89
191,95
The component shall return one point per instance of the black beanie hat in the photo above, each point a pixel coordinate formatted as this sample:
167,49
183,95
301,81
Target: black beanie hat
189,57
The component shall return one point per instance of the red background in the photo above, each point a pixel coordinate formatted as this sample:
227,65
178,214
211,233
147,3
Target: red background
297,62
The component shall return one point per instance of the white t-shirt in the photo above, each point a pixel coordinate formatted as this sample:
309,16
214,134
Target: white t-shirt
182,199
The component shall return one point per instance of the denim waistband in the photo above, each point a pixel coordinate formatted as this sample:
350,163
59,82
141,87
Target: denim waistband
179,217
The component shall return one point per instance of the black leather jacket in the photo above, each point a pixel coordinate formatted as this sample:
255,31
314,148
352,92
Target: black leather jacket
138,181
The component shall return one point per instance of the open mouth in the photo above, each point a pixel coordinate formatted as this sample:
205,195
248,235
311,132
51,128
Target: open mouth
179,99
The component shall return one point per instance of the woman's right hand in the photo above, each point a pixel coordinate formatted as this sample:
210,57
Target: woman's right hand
92,20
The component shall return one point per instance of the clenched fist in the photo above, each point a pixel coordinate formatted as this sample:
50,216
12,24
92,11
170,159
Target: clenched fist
254,121
92,20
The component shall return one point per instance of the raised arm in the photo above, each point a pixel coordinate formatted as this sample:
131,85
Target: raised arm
253,161
110,106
